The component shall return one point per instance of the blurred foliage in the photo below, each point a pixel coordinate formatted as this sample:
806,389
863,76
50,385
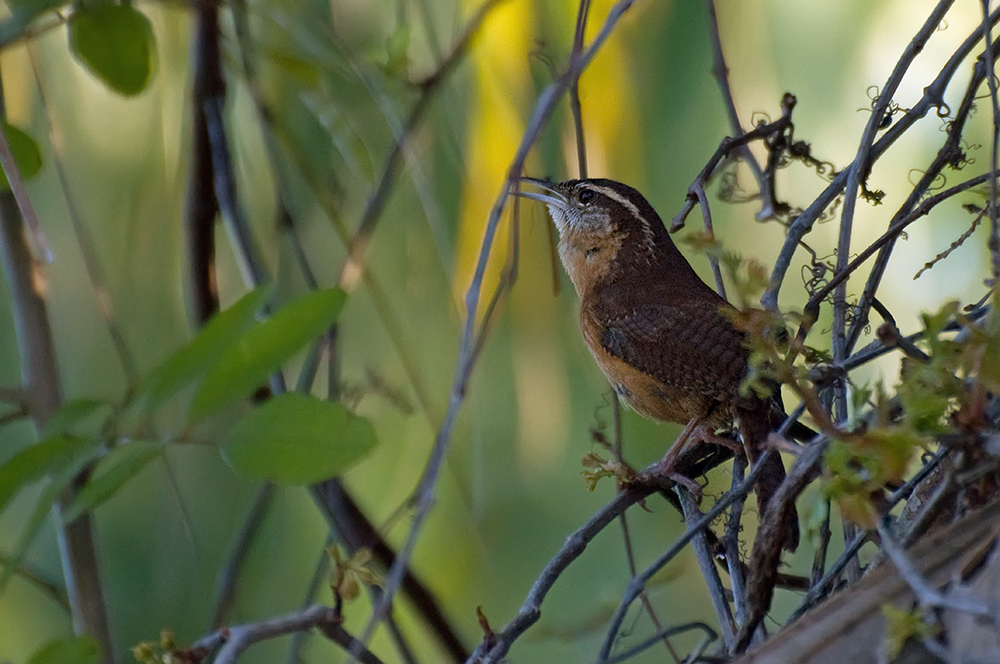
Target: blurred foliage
79,650
338,81
350,573
116,43
24,149
904,625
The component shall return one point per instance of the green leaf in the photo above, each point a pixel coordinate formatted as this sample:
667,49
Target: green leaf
245,365
27,154
74,413
901,626
116,43
196,357
303,71
859,396
113,471
297,439
397,51
71,650
41,459
43,506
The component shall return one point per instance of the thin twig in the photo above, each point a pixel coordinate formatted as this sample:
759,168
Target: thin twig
40,580
353,264
236,639
320,574
225,593
819,557
88,252
356,531
617,453
709,572
991,81
414,588
248,254
496,649
721,72
574,89
893,232
732,541
950,154
20,193
426,488
581,154
695,193
665,633
40,375
255,272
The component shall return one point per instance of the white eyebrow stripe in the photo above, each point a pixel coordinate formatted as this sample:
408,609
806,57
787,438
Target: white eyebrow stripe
615,196
647,230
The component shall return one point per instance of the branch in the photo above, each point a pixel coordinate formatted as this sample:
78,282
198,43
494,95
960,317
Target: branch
495,648
898,226
235,640
721,72
933,97
991,81
574,89
42,398
201,205
709,572
696,192
639,582
766,553
823,586
20,194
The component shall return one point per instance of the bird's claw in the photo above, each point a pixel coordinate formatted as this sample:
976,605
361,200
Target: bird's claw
684,481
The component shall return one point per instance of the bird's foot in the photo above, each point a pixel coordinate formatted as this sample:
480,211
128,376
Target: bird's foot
686,482
705,435
665,468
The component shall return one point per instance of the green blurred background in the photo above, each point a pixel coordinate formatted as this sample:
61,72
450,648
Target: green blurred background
338,78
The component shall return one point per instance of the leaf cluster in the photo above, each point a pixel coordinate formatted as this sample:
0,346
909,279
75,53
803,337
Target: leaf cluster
290,439
940,393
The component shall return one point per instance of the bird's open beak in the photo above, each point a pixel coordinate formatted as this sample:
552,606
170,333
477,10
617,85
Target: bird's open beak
549,194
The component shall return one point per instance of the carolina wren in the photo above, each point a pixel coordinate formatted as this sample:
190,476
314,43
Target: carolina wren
657,331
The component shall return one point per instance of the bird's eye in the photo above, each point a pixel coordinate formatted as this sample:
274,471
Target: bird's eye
586,197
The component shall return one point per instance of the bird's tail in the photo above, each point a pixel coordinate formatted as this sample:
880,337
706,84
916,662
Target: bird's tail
755,428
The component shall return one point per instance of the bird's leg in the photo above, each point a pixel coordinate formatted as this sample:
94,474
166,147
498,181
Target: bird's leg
706,435
665,467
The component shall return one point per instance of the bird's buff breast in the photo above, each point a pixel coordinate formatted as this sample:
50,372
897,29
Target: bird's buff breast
651,398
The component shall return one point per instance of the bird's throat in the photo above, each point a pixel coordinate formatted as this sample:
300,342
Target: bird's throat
588,258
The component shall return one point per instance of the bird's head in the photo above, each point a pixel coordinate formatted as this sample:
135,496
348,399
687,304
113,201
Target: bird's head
603,225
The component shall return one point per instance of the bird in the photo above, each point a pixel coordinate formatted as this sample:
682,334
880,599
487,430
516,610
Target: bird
664,339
